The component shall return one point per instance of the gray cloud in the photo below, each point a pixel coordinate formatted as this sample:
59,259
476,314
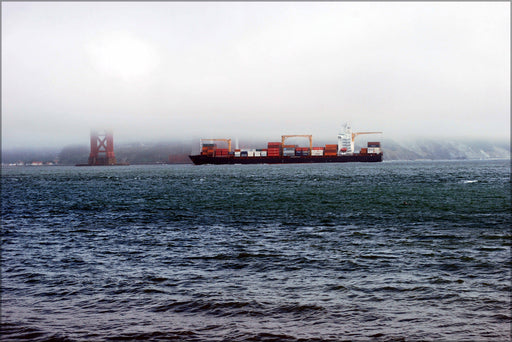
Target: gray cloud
169,70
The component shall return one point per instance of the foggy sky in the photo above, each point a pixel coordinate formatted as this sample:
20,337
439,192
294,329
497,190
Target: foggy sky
172,70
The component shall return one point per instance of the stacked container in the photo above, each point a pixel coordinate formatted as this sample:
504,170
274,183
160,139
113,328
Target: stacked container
374,147
221,152
208,150
317,151
288,150
331,150
247,153
274,149
302,151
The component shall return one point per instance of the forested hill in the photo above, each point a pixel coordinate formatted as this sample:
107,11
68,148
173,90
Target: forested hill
177,152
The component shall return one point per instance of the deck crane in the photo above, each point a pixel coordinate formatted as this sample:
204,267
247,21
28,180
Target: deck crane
346,139
284,137
354,135
225,140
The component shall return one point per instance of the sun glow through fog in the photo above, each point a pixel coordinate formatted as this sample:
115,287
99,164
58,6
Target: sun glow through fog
122,55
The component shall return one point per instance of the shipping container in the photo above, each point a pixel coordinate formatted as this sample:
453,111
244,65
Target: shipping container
302,149
374,144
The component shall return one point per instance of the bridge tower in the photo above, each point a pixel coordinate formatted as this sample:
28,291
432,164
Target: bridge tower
102,148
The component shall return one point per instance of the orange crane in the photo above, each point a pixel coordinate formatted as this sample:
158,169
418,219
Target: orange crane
225,140
354,135
284,137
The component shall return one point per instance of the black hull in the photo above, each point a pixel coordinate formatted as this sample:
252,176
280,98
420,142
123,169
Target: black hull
361,158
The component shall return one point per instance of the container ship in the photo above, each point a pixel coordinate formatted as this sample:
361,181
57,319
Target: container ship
280,153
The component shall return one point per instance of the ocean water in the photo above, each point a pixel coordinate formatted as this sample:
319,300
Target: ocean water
400,251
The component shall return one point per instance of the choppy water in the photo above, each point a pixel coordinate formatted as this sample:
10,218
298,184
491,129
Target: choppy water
387,251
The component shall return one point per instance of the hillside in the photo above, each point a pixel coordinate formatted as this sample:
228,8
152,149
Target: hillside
444,150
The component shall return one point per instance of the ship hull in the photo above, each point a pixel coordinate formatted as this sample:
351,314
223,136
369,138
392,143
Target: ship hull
366,158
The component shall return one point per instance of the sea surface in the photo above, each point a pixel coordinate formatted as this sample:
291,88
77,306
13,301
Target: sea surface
392,251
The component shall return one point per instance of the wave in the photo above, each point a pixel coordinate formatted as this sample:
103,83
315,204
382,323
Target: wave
240,308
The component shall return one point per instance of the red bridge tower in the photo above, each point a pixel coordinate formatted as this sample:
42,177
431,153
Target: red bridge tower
102,148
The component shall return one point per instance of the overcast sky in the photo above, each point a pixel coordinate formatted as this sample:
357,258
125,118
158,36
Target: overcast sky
171,70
